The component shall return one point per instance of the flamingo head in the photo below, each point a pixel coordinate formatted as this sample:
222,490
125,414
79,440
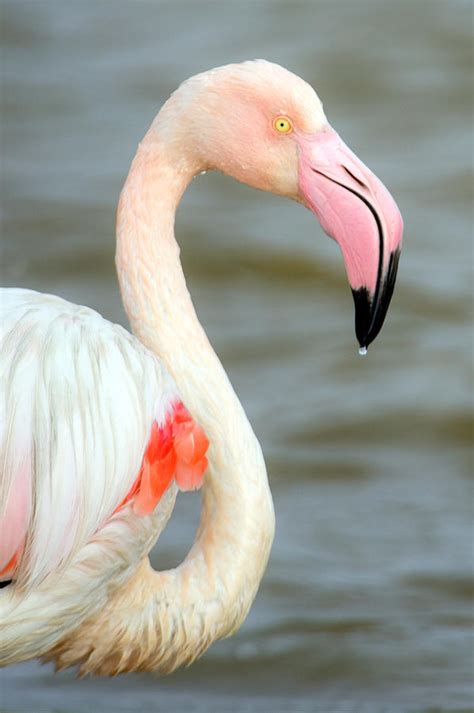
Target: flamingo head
266,127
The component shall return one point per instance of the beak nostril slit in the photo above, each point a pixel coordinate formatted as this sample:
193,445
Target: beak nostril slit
361,183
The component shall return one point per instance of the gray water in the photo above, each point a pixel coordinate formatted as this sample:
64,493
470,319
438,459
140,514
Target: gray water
366,603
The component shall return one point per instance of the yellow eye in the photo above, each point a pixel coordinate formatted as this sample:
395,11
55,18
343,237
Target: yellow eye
282,124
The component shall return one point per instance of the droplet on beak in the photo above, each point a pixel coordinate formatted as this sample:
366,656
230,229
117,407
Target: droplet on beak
363,351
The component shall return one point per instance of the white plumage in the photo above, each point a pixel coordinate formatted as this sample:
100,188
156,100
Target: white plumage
80,395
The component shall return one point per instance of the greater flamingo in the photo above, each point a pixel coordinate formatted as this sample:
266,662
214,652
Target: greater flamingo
101,428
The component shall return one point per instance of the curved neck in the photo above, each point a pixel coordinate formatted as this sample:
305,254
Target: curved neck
209,594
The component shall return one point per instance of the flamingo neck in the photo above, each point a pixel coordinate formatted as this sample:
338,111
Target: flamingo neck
209,594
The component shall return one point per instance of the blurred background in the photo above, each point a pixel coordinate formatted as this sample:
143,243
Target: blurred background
366,602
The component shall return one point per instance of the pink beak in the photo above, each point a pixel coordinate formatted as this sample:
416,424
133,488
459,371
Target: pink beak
355,209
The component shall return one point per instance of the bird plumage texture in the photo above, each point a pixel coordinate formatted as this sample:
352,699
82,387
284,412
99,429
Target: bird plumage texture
80,397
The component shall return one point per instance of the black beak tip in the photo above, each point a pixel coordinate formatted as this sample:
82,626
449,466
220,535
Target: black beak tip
370,310
363,315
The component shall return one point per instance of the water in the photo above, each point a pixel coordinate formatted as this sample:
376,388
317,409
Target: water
366,603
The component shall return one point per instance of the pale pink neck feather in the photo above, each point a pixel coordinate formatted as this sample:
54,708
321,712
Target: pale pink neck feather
218,580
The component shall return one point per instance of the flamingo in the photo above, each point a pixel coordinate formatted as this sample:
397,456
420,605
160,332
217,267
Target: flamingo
101,429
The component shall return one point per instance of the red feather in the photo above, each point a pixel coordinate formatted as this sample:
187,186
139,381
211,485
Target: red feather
175,450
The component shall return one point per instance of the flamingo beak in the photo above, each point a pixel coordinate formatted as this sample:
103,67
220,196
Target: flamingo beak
355,209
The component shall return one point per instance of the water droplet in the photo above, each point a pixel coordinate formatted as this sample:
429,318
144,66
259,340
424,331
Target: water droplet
363,351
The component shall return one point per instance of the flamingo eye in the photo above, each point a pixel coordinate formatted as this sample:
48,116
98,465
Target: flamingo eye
282,124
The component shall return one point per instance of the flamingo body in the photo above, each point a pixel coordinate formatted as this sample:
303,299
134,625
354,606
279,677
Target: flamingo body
100,428
126,437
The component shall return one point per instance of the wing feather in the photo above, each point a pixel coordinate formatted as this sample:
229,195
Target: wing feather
79,399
